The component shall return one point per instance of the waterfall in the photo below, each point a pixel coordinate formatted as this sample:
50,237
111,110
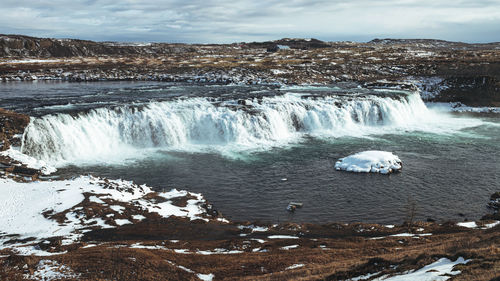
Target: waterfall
200,122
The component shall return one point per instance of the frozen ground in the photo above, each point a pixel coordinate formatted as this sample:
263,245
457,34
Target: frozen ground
48,209
29,161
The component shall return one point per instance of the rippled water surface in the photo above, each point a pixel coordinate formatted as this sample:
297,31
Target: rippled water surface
251,158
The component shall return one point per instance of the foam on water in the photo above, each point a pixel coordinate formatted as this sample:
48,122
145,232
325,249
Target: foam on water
111,135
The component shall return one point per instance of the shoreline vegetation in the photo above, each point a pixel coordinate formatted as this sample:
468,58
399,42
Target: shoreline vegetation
110,229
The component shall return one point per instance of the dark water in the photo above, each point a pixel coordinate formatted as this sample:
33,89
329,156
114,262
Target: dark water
445,174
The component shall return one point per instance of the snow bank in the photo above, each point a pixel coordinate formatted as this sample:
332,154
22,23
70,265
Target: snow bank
29,161
42,210
370,161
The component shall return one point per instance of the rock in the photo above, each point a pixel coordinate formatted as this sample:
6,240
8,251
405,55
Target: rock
494,201
471,90
11,124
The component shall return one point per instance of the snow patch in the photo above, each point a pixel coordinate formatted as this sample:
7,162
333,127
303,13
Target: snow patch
218,251
27,210
438,271
298,265
205,277
51,270
254,228
122,222
96,199
289,247
29,161
472,224
282,237
117,208
138,217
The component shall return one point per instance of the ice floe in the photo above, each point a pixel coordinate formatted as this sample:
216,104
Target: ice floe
372,161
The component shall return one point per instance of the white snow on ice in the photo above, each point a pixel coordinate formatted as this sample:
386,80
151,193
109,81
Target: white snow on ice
373,161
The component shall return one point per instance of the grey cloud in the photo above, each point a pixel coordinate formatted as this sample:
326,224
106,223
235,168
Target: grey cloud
245,20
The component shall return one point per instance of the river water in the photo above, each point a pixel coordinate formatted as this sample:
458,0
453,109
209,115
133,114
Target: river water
252,149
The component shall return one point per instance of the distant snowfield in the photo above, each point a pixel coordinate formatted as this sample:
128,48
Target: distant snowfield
27,210
372,161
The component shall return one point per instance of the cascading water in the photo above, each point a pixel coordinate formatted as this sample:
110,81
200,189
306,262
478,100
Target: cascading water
198,123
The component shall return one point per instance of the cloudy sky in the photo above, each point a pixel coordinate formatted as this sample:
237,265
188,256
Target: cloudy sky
226,21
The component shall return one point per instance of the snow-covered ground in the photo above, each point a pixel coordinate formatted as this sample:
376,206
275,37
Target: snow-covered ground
373,161
473,224
51,270
29,161
46,209
437,271
440,270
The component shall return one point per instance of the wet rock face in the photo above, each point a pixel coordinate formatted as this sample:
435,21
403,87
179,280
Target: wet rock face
11,124
473,91
495,201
